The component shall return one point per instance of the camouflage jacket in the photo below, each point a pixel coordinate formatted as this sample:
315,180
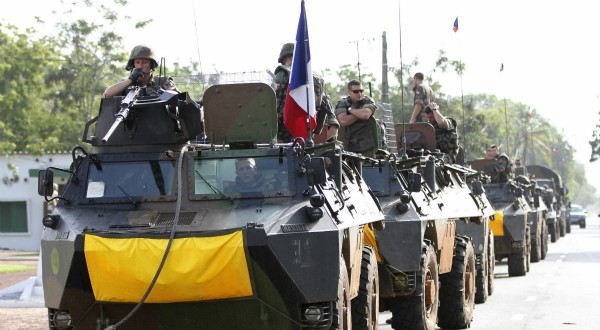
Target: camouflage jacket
423,96
360,137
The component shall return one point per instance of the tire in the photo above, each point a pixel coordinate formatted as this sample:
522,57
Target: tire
528,249
481,281
536,250
582,224
341,309
562,229
492,263
517,265
552,230
365,306
457,288
544,238
420,309
568,229
557,230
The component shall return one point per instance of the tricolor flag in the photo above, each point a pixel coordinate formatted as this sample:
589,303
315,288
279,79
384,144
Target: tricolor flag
455,27
300,99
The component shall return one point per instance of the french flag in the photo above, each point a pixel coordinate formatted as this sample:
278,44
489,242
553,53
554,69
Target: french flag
299,110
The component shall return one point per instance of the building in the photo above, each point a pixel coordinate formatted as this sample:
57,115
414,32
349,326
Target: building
21,207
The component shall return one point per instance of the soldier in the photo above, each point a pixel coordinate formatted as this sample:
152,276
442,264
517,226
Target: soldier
423,96
446,138
141,65
248,179
325,116
355,114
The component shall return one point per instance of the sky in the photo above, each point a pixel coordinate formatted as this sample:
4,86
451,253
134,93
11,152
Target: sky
547,47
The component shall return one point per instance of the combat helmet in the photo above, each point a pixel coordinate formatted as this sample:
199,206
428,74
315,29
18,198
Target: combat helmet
141,51
286,49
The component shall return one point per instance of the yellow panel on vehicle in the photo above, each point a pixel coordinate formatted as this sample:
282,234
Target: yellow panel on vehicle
196,269
372,241
497,224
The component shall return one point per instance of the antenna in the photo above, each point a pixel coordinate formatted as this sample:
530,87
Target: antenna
404,155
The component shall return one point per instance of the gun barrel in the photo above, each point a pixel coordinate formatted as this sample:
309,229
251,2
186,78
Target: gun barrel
112,129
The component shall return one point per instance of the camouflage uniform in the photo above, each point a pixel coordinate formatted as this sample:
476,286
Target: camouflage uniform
360,137
423,96
446,139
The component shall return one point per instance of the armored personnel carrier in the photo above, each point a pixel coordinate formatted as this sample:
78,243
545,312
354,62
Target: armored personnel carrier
537,218
427,270
153,232
510,224
556,195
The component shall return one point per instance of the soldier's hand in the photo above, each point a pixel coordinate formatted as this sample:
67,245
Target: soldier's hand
136,76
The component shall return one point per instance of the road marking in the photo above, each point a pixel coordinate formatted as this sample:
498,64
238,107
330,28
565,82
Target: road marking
531,298
559,260
517,317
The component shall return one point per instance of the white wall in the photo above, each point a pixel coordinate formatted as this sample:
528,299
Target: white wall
19,185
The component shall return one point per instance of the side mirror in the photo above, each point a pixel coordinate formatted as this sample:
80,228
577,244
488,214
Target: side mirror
414,182
45,183
316,172
477,188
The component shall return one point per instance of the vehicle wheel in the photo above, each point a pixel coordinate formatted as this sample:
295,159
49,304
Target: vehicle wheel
561,226
528,249
481,280
552,230
492,263
517,265
457,288
365,306
341,310
420,309
536,250
557,230
568,226
582,224
544,238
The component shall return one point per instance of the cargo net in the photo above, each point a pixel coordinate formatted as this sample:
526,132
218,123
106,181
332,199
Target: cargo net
195,85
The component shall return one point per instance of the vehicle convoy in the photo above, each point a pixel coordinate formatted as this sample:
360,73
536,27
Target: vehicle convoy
556,195
153,232
427,271
510,224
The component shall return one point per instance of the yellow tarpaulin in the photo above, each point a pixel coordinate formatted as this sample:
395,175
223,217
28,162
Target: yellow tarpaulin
370,240
196,269
497,224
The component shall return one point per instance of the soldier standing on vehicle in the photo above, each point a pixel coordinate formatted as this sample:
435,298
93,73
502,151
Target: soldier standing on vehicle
141,65
355,114
325,116
446,137
423,96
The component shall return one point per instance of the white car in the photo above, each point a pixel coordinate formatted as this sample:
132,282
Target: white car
577,215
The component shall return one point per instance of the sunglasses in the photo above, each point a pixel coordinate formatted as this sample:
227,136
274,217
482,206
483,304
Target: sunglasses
356,91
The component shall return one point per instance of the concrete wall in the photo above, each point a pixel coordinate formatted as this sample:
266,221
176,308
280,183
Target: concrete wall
18,182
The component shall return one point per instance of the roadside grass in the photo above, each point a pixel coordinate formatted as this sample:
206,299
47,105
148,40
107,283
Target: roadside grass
6,268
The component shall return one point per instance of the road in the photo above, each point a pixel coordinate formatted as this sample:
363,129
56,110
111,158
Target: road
560,292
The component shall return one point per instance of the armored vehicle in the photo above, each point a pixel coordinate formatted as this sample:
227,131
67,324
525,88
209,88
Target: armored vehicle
426,270
555,195
537,218
153,232
510,224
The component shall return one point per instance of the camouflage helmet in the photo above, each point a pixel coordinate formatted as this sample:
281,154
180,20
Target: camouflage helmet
286,49
143,52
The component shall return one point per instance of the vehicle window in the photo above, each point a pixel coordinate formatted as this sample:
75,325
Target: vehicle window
241,177
119,179
576,208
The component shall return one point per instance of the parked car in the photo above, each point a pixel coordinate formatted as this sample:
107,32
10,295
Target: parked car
577,215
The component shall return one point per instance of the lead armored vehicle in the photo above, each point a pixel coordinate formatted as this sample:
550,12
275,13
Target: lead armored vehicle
154,232
427,270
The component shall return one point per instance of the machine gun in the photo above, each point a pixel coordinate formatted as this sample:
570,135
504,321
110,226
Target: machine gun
126,105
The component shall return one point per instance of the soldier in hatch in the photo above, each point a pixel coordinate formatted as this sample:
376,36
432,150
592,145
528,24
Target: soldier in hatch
355,114
141,65
446,138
